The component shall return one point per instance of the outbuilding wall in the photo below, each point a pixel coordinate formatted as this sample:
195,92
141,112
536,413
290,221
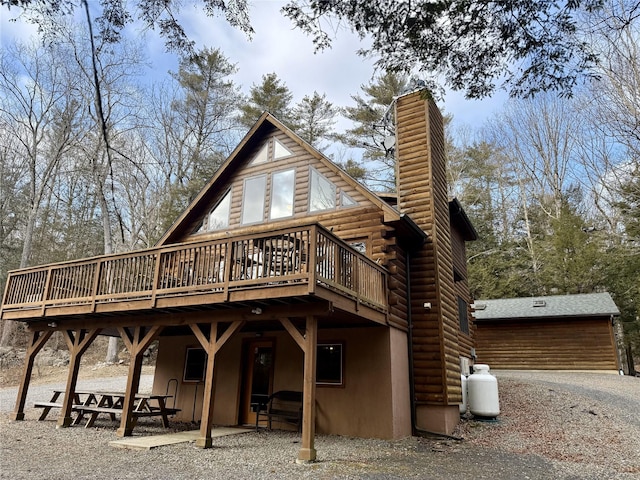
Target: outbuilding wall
547,344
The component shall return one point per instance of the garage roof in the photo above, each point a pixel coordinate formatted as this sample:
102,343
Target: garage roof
581,305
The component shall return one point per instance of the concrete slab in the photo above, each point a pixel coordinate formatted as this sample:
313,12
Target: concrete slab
153,441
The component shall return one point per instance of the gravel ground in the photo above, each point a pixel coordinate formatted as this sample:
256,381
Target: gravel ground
551,426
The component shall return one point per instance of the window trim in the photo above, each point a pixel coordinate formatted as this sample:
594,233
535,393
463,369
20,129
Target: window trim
344,194
310,194
254,161
284,147
264,199
341,383
222,199
272,191
191,379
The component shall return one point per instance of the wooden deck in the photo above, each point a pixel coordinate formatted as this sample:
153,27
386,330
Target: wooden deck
295,262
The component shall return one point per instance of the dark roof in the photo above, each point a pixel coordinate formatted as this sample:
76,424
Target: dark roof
581,305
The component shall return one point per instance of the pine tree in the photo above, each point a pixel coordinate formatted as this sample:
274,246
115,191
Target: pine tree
272,96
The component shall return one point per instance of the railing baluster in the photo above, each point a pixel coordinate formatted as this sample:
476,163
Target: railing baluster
310,254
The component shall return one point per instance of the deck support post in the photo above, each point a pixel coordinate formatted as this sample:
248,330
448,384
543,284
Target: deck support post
307,451
78,341
211,345
136,342
36,342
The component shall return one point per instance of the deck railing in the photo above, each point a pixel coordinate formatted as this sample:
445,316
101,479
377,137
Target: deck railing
308,255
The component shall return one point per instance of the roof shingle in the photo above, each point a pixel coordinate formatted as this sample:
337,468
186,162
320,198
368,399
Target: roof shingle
581,305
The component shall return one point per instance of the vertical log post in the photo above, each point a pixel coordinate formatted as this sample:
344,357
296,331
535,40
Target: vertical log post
307,451
36,342
309,345
78,341
211,346
136,342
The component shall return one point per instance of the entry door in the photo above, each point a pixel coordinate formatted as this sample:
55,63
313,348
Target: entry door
257,378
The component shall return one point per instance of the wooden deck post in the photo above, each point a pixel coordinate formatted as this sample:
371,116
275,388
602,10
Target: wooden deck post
307,451
211,345
309,345
78,341
36,342
136,343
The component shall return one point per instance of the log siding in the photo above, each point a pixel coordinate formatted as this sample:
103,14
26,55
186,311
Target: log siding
422,194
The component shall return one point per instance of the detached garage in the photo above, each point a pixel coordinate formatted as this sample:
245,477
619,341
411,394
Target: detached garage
560,332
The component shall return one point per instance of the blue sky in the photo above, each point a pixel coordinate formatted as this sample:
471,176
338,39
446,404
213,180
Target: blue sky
276,47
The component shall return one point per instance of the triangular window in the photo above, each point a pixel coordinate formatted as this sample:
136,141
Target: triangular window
280,151
346,200
262,156
219,216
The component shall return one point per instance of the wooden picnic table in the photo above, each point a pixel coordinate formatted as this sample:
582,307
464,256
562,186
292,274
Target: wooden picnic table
93,403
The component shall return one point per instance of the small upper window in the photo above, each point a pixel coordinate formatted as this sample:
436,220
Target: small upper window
253,199
282,194
323,193
262,156
280,151
219,216
346,200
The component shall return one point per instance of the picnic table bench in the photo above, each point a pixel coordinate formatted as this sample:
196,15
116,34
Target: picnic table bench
94,403
283,406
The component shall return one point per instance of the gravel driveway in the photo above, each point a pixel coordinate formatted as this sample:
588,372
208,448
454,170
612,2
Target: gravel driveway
552,426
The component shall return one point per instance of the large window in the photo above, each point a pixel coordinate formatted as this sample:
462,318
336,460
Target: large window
322,195
282,194
253,199
329,364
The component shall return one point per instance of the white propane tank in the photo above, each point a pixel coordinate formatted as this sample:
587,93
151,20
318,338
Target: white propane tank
482,394
463,405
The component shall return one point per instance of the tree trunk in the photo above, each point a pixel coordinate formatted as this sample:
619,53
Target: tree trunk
112,350
9,327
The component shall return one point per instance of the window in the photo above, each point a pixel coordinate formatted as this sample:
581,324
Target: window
463,315
329,364
322,195
219,216
280,151
253,199
262,156
282,194
346,200
195,365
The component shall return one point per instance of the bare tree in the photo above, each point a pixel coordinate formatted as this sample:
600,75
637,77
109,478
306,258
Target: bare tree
38,111
193,127
107,73
540,136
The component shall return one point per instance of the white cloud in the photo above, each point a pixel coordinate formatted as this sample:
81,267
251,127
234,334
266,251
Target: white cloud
276,47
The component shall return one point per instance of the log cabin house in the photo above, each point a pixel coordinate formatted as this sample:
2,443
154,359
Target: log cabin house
558,332
284,274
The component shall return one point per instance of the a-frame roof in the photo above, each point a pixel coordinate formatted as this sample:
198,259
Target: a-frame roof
263,126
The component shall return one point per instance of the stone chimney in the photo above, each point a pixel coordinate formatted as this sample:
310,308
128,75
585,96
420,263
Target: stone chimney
422,195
